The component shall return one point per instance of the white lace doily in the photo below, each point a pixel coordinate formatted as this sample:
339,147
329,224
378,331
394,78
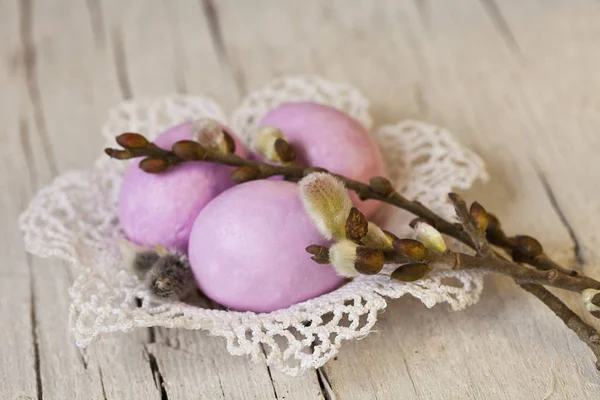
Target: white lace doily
75,218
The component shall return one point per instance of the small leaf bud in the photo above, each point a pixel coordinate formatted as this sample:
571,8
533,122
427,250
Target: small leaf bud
357,225
381,185
430,237
411,272
411,248
132,141
369,261
154,165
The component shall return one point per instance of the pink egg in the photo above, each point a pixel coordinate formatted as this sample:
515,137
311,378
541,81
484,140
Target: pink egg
161,208
247,249
328,138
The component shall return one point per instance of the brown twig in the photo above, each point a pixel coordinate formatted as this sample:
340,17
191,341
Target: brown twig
469,225
547,273
518,247
521,274
530,249
458,261
190,151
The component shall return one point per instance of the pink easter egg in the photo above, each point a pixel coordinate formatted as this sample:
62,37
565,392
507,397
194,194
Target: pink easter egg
326,137
247,249
161,208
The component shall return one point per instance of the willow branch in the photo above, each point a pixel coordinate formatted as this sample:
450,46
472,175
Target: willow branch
470,225
515,246
378,189
458,261
547,273
477,224
521,274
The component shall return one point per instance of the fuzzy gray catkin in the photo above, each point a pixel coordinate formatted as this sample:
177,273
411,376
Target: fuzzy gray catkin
170,277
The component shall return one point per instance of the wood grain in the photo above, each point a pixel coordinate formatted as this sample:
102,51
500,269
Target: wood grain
516,81
236,378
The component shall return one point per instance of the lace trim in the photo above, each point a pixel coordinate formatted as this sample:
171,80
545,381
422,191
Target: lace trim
75,218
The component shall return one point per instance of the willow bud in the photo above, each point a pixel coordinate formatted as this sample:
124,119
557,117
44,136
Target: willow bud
369,261
349,259
170,277
118,154
211,135
411,272
357,225
411,248
381,185
154,165
228,146
327,203
188,150
320,253
528,246
132,141
376,237
343,258
272,144
479,215
430,237
284,150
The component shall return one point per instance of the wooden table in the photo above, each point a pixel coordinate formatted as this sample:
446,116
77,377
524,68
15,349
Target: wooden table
517,81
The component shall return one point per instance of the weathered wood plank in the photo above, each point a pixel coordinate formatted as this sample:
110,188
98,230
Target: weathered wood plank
20,367
515,81
75,78
454,65
192,363
564,115
176,57
488,351
69,95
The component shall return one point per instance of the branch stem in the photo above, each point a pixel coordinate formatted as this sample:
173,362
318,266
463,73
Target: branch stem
546,271
466,233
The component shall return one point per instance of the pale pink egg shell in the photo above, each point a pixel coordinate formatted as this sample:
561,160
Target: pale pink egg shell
328,138
247,249
161,208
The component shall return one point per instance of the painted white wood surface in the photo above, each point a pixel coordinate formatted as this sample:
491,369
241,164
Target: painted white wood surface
516,81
